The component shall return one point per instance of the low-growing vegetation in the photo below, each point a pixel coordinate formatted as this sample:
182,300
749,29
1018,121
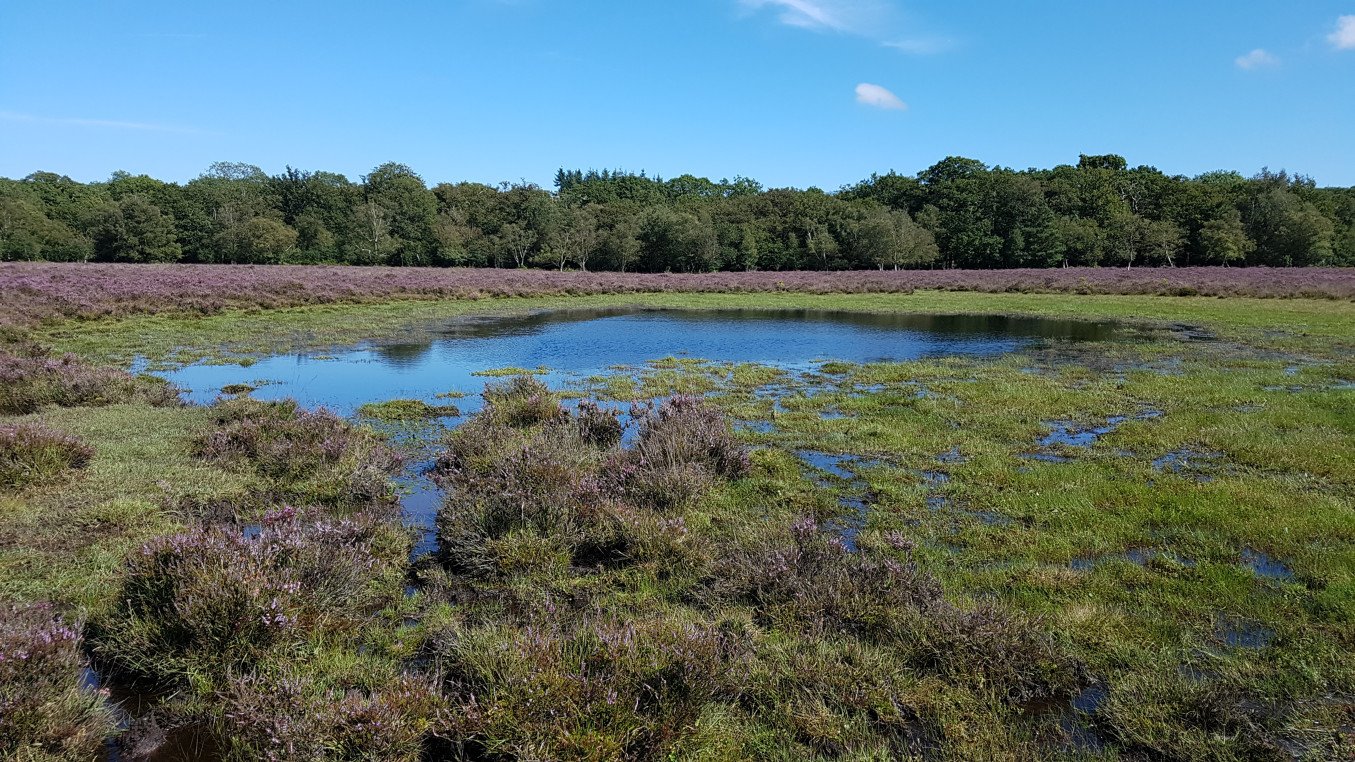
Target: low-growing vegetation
31,379
33,453
47,710
396,411
1128,549
304,456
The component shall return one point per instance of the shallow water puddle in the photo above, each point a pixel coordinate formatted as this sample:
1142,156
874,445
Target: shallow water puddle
576,344
1265,566
856,502
1072,715
1238,633
1070,434
1138,556
1197,464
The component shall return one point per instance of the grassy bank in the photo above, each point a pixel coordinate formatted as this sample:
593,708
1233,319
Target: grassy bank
1291,324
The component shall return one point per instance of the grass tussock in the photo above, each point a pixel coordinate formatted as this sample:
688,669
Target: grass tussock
34,453
404,411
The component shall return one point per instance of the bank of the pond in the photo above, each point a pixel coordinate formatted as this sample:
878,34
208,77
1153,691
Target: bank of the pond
234,335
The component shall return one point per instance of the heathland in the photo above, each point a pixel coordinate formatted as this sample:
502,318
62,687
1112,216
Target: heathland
1136,541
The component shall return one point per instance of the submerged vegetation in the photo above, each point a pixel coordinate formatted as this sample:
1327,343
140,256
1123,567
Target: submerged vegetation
1129,549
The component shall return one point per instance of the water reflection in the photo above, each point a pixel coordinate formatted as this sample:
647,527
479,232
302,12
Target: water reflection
445,356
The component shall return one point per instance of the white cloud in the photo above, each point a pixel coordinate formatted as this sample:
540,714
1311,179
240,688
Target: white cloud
1257,59
873,19
878,97
11,116
809,14
1344,36
920,46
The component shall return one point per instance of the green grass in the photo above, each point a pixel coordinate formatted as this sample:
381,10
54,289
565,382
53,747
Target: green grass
1141,573
65,541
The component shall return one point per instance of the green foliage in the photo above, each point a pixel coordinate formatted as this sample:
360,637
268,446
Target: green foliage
958,213
133,229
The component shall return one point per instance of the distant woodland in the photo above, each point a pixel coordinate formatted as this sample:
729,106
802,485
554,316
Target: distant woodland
959,213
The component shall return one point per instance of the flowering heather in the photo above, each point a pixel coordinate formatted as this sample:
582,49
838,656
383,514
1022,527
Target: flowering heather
293,716
46,710
814,584
526,465
309,455
30,453
35,292
29,379
211,600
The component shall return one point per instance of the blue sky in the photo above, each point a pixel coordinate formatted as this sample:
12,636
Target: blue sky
790,92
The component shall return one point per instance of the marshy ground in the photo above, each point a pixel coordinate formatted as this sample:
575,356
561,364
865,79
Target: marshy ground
1136,547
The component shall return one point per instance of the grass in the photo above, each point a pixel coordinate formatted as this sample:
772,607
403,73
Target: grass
1181,587
65,541
234,336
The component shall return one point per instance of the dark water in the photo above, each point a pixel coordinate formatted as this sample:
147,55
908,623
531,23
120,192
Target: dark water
577,343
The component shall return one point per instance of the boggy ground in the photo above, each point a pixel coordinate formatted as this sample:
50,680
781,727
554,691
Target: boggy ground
1134,550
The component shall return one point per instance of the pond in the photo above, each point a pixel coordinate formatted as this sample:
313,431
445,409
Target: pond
571,345
575,344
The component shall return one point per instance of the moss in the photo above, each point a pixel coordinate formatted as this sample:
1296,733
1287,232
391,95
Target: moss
407,410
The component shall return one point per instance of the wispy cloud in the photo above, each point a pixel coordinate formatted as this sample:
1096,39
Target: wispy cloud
876,96
808,14
1343,38
113,124
879,21
1257,59
921,46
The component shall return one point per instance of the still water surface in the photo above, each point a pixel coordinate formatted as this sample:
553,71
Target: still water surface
575,344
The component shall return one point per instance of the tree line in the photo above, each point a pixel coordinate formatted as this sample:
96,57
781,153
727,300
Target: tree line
958,213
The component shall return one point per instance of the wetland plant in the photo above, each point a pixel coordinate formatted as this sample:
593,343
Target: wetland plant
286,714
47,711
306,456
31,379
404,411
34,453
212,600
591,687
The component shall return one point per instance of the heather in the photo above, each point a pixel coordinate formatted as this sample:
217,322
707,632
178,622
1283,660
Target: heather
33,454
605,611
308,455
211,601
1127,548
38,292
287,714
30,378
47,712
